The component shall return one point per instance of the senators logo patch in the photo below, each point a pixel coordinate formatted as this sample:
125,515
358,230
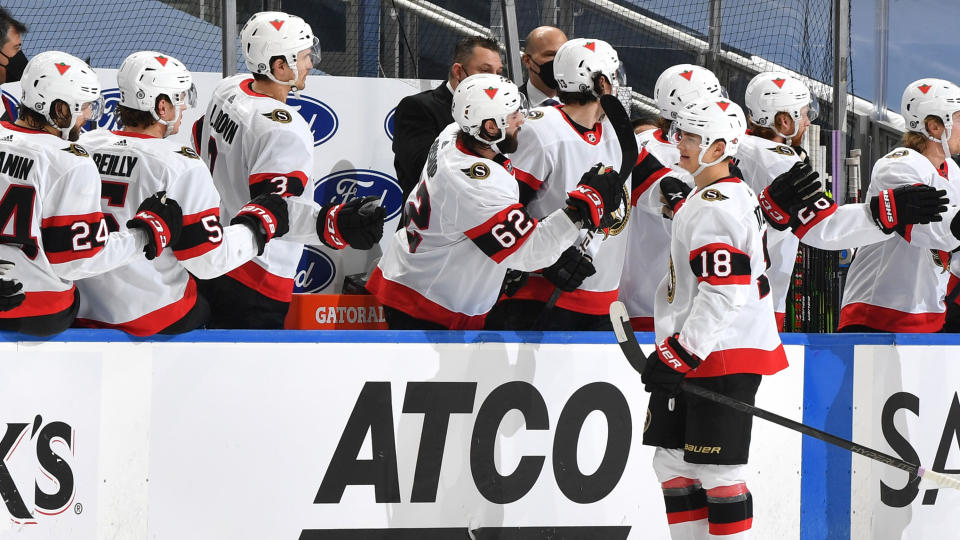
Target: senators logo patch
76,150
621,215
188,152
279,115
713,195
477,171
782,150
535,115
898,154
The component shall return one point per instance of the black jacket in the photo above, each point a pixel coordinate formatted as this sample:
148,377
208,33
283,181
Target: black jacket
418,121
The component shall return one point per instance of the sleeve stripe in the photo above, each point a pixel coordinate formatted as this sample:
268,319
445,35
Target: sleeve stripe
732,269
260,177
527,178
714,247
646,184
68,221
261,183
195,238
60,257
729,280
195,251
801,230
190,219
511,228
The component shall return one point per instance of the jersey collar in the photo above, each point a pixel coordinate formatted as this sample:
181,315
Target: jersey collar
247,86
499,158
132,134
590,136
14,127
658,135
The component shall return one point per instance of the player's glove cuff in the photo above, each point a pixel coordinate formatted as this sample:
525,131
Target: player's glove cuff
588,203
675,356
265,215
883,207
327,228
777,216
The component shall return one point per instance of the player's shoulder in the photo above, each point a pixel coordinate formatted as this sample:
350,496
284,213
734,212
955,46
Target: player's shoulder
766,150
540,118
903,161
729,195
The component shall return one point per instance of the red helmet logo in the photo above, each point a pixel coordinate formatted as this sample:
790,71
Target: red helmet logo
62,68
924,88
491,91
688,74
277,24
779,82
723,105
162,60
591,45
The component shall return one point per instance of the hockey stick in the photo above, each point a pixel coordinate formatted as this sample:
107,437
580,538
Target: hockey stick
637,359
623,129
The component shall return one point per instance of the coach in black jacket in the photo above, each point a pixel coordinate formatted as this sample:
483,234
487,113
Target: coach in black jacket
421,117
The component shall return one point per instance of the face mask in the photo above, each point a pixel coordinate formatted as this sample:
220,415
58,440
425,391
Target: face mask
546,73
15,66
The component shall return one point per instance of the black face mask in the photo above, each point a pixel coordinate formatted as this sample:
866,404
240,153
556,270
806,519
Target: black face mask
15,66
546,73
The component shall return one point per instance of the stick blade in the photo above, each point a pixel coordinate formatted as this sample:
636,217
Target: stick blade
940,479
625,337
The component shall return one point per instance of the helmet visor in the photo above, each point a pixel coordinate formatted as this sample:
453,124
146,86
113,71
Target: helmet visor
94,109
813,109
673,136
188,97
621,75
314,54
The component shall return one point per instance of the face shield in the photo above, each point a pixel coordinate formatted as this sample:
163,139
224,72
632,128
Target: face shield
813,109
314,54
94,109
188,97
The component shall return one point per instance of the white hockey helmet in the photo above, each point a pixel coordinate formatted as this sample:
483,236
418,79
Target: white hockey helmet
712,119
55,75
774,92
486,96
274,33
146,75
579,61
683,84
930,97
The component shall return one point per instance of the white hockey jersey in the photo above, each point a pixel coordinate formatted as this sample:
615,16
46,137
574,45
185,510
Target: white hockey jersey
648,246
715,293
254,144
464,228
145,297
51,226
554,155
898,285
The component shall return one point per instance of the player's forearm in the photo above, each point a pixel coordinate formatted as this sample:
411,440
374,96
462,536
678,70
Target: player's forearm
937,235
546,242
121,248
851,225
303,214
238,246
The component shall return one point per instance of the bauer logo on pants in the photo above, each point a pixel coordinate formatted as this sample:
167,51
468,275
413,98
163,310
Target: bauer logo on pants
342,186
323,121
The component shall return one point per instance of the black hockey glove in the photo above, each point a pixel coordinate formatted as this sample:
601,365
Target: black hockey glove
162,220
513,281
267,216
788,192
673,192
667,366
894,209
357,223
598,194
801,153
10,295
568,273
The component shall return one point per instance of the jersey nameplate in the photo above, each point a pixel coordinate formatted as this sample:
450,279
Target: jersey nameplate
76,150
477,171
279,115
782,150
713,195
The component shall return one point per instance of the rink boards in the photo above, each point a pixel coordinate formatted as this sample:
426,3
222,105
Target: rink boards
343,435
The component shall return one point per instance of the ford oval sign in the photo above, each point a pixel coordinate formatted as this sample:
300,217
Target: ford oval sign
109,119
320,117
10,104
388,122
342,186
315,273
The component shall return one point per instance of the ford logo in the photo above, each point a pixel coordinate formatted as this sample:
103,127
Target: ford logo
110,120
342,186
388,122
321,119
315,273
10,103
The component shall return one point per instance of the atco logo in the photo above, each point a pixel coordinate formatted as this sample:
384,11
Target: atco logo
110,120
388,122
36,465
342,186
320,117
315,273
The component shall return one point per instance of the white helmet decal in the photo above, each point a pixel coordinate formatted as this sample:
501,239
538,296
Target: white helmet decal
55,75
682,84
773,92
486,96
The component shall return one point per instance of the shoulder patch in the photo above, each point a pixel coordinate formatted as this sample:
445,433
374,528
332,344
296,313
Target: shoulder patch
477,171
279,115
76,150
535,115
898,154
782,150
188,152
713,195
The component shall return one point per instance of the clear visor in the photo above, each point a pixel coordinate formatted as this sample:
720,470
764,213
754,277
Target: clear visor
723,92
188,97
673,135
813,109
93,110
315,53
621,76
524,109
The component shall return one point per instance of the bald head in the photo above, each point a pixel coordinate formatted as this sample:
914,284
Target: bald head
540,47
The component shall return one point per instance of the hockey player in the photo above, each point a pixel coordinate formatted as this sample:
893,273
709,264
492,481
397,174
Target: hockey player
51,226
649,242
556,145
875,299
464,223
160,296
714,326
255,143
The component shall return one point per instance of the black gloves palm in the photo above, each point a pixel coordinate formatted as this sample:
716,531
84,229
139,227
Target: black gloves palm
598,194
788,192
162,219
357,223
568,273
894,209
267,216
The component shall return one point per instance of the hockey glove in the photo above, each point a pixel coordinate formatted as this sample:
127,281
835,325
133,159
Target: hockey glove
357,223
894,209
267,216
568,273
10,295
789,191
162,220
667,366
513,281
673,192
598,194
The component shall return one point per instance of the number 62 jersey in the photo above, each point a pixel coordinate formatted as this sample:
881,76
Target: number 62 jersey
464,227
715,293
